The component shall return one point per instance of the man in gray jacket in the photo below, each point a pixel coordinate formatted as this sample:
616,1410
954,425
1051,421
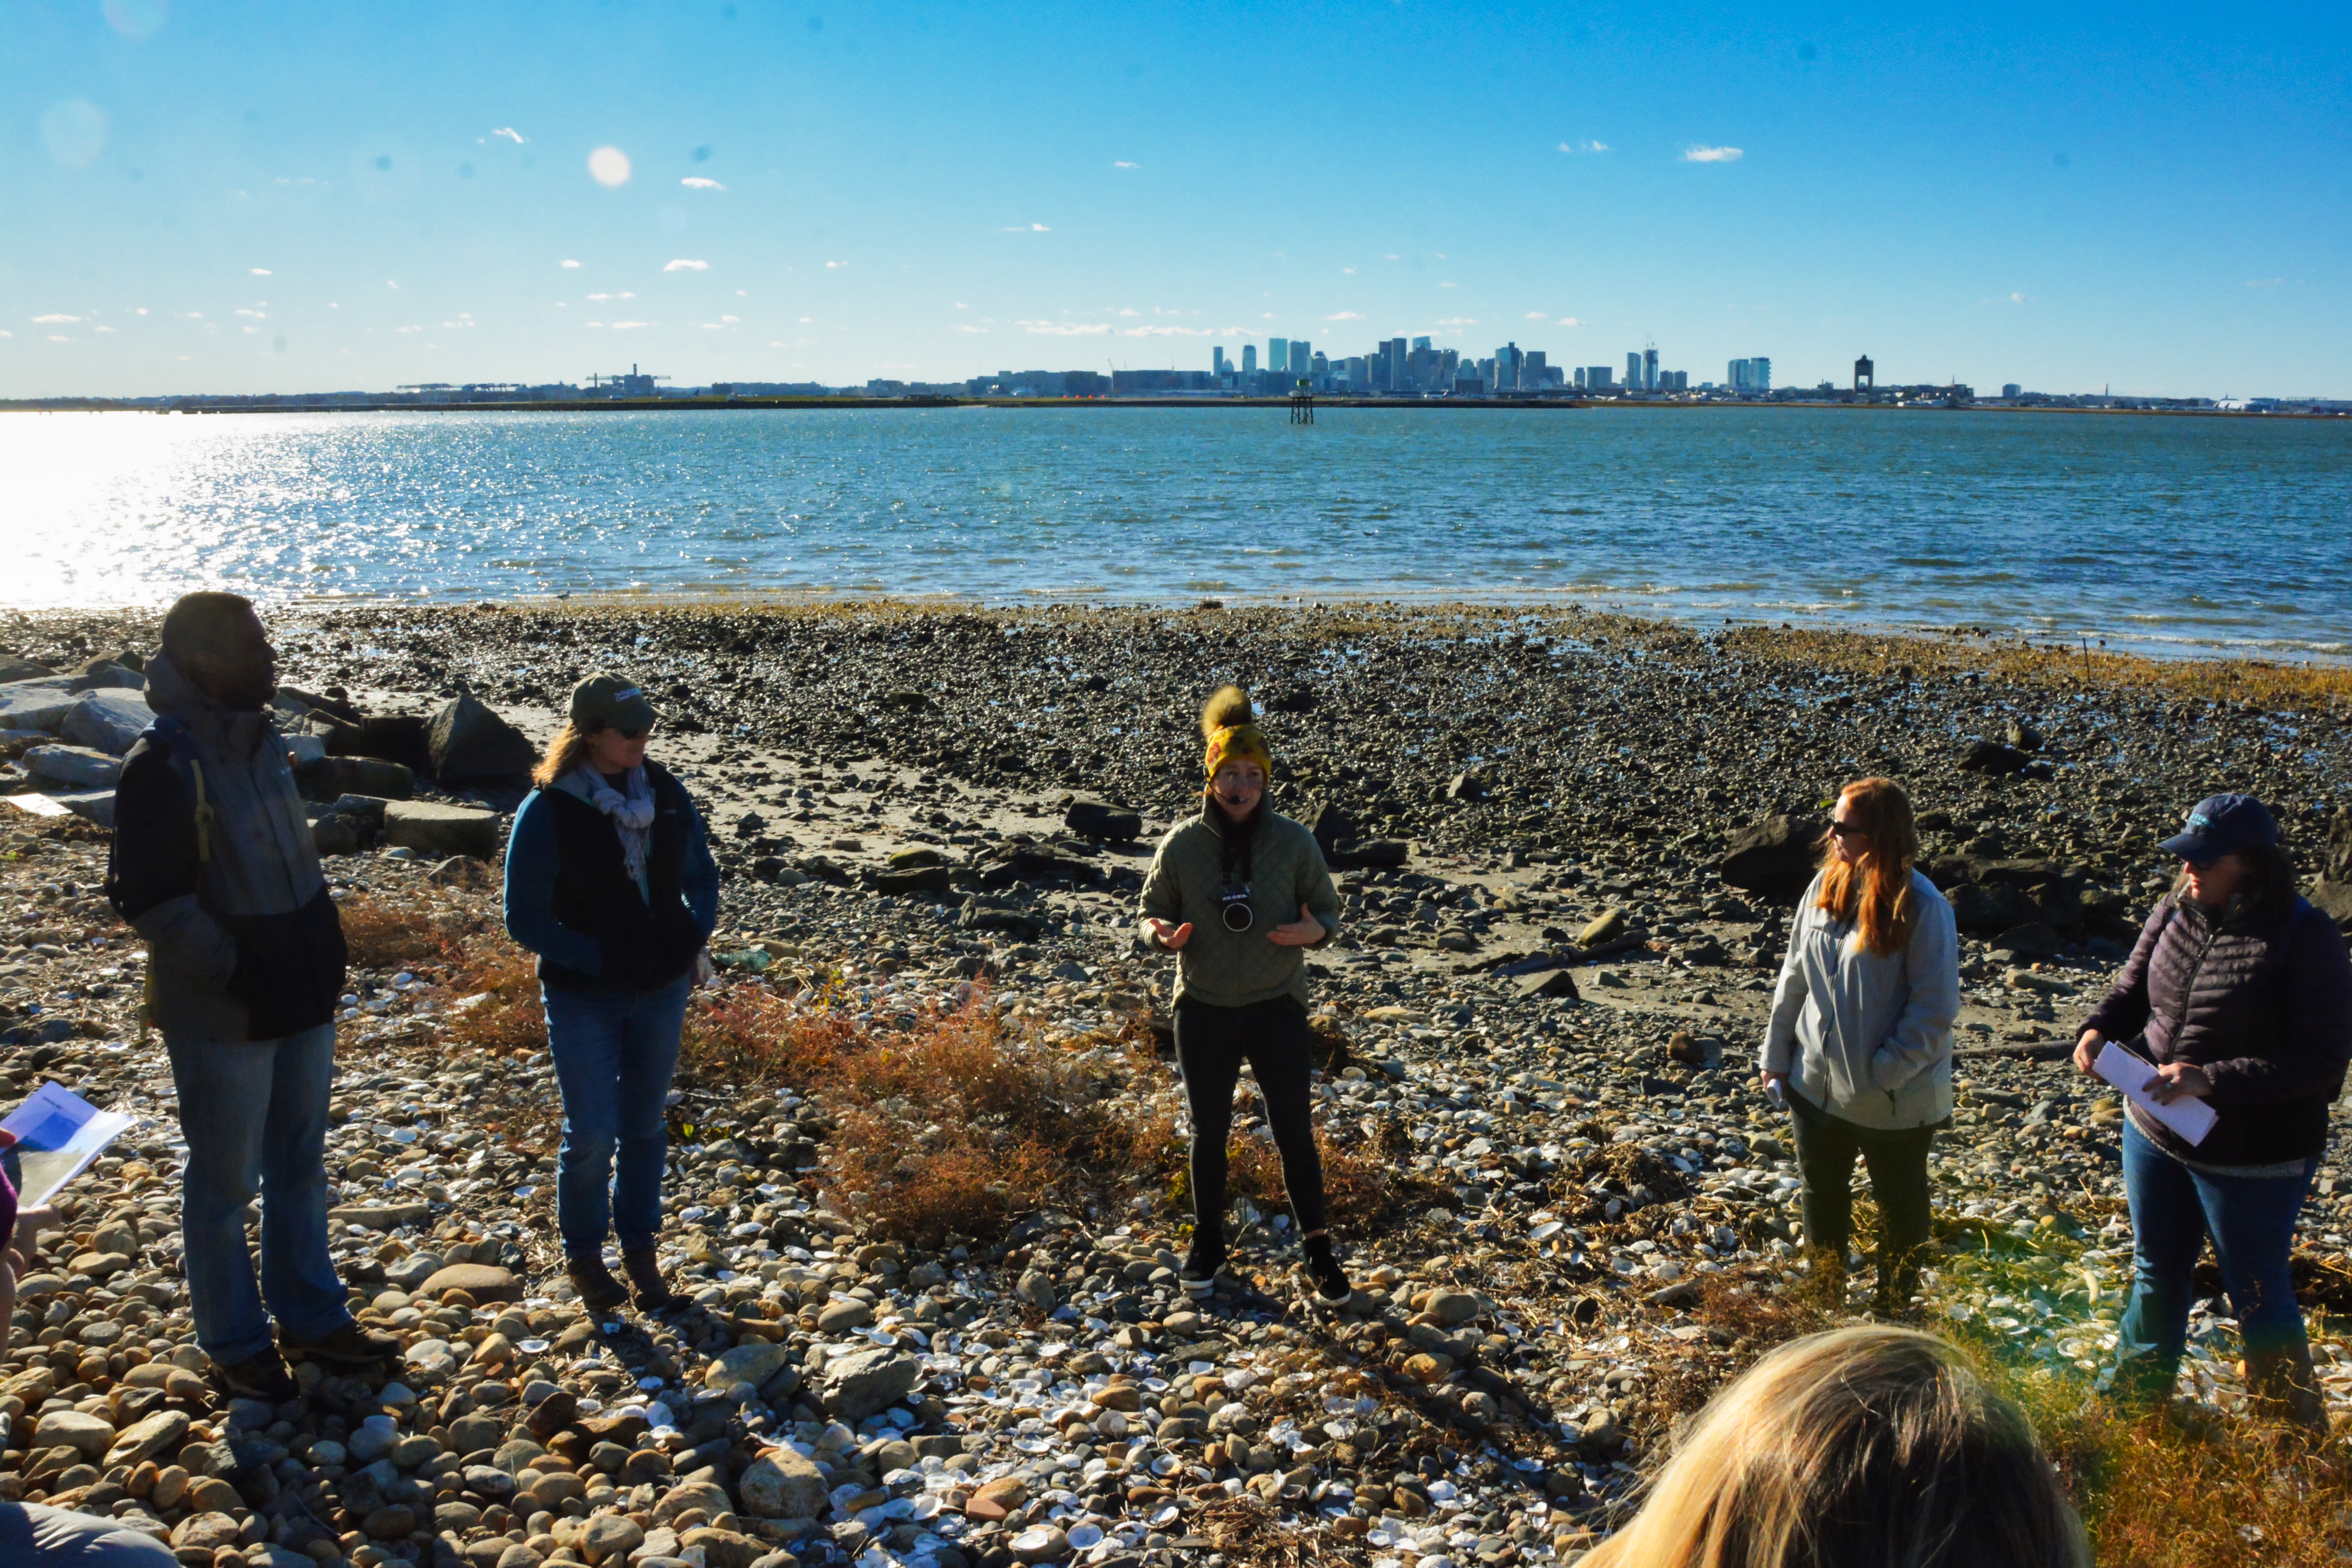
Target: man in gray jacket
212,864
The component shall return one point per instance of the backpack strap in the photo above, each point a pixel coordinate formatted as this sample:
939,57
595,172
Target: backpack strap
187,761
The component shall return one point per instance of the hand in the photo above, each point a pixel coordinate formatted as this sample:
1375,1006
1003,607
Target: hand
2087,1052
1773,1083
30,1223
1171,937
2179,1080
1304,931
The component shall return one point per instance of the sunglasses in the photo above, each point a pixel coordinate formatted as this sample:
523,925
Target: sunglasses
1843,830
634,734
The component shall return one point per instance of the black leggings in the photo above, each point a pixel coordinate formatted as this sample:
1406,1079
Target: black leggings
1897,1159
1212,1043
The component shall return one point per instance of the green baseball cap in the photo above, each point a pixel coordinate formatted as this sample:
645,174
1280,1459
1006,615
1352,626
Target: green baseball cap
610,702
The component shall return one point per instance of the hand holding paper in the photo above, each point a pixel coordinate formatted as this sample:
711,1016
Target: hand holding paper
2192,1119
57,1133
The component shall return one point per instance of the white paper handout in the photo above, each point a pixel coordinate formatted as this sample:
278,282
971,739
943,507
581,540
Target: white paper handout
58,1132
2192,1119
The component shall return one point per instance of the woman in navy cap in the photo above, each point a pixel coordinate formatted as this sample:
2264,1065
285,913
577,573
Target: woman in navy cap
2241,995
610,880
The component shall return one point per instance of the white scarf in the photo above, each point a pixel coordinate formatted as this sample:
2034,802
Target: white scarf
633,816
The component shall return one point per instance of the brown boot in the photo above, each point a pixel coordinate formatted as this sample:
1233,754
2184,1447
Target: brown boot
652,1291
599,1292
2283,1380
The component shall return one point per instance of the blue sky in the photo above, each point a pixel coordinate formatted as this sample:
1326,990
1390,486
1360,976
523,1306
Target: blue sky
265,196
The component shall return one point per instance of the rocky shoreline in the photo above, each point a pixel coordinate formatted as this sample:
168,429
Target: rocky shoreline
1569,841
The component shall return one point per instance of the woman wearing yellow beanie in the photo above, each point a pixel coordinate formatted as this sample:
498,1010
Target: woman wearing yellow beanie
1220,896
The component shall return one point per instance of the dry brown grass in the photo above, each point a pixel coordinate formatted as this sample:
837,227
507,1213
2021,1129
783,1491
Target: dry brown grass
1360,1187
1250,1533
511,1019
948,1129
384,936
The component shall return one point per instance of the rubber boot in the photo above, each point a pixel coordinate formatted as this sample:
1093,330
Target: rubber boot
2284,1383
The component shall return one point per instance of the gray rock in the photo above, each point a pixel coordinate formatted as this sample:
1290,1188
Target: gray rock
333,778
109,721
1774,856
414,1270
469,742
89,1435
35,705
852,1387
77,767
442,830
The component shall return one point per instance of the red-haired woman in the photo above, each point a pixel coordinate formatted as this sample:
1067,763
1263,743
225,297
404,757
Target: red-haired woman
1861,1038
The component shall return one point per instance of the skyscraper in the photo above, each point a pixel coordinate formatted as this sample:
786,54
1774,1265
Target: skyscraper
1217,360
1249,359
1759,373
1421,342
1277,356
1506,367
1650,369
1599,378
1302,357
1400,375
1634,371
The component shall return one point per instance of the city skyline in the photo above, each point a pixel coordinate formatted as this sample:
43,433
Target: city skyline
274,199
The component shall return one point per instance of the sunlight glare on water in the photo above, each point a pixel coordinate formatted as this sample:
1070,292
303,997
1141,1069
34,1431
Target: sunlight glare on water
2189,534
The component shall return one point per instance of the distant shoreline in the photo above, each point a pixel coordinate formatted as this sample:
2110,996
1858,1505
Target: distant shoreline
708,405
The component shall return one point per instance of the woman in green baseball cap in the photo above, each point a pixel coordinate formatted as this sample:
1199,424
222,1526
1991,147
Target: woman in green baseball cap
610,880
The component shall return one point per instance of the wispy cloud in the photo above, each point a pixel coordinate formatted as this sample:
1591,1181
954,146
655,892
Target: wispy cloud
683,265
1344,316
1537,316
1064,329
1713,155
569,265
967,327
259,271
510,133
1033,228
406,330
1167,332
60,338
830,265
629,326
1123,164
1568,321
1584,146
697,183
1457,321
2017,299
55,319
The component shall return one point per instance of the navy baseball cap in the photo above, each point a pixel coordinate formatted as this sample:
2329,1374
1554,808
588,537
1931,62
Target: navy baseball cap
2222,824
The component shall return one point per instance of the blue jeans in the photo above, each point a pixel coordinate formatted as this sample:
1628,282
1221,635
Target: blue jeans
615,1052
2173,1210
33,1534
255,1115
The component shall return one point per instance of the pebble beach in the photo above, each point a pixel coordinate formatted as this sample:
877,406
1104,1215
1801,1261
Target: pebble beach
926,1190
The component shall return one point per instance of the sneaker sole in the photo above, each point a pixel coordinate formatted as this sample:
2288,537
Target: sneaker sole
1196,1289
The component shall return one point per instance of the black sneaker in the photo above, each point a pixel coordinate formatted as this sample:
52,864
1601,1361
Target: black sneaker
349,1346
599,1292
1332,1286
1203,1264
262,1375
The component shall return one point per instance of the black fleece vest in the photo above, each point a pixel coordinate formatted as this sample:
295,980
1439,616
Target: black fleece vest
647,943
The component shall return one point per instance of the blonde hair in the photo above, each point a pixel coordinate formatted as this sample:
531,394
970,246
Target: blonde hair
1875,891
563,752
1868,1445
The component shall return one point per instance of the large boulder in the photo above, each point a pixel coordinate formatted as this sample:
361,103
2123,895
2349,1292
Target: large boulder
2334,899
1983,908
1093,819
468,741
854,1387
110,721
36,704
1774,858
12,670
442,830
77,767
90,1435
332,777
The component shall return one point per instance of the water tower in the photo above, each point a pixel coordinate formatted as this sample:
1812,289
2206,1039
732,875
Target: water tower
1865,375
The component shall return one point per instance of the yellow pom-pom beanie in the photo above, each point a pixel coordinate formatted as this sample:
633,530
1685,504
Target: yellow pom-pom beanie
1229,725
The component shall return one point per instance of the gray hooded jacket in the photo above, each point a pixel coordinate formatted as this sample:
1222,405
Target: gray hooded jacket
1868,1036
242,936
